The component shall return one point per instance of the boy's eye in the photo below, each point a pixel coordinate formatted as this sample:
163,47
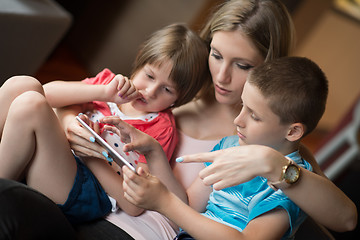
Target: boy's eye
244,66
253,116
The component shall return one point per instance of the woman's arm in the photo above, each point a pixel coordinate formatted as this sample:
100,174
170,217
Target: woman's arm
309,157
148,192
342,209
322,200
314,194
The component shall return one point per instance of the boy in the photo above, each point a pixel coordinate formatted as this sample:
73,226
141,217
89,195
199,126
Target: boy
283,100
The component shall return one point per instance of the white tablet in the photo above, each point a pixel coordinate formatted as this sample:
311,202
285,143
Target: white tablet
120,160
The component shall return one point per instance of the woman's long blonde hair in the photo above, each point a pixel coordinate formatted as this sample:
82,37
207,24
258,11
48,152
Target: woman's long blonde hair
267,23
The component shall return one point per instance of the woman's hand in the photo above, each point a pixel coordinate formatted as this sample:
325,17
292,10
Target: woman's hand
121,90
236,165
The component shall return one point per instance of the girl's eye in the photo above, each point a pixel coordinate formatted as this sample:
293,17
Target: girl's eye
149,76
244,66
168,90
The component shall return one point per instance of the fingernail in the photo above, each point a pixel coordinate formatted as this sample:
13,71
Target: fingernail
180,159
105,154
109,159
92,139
80,114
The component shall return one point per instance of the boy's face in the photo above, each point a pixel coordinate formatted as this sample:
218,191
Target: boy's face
256,123
157,89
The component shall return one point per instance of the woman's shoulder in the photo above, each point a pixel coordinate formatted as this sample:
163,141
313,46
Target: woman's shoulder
188,117
189,110
201,121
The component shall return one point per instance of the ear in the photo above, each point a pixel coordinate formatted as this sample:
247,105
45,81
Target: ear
295,132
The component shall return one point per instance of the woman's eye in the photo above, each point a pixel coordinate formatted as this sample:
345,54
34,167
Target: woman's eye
244,66
216,56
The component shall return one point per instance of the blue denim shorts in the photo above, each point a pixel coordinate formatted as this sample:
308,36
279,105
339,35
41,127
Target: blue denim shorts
87,200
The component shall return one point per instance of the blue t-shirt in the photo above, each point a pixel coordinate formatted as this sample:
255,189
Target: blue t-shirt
237,206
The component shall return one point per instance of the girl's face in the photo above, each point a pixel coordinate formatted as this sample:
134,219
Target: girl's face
231,57
157,89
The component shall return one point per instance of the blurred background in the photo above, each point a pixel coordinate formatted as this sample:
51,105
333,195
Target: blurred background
72,40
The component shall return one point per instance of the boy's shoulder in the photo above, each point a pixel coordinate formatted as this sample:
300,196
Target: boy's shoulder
296,157
227,142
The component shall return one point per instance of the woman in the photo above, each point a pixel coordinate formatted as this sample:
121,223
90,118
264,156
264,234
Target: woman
241,34
236,45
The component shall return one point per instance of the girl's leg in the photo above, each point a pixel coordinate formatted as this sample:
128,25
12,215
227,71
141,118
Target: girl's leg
34,146
12,88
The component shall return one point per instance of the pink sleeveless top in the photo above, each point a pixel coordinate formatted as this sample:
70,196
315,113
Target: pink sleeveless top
152,225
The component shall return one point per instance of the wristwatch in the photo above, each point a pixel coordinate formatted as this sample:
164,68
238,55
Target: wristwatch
290,174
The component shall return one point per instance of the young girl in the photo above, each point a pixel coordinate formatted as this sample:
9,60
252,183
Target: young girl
168,72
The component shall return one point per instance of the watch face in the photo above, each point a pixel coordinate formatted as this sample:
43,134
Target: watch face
292,174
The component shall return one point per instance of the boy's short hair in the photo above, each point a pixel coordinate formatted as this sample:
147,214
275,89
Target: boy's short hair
296,88
188,53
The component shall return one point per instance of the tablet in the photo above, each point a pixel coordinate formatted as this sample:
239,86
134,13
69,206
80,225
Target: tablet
120,160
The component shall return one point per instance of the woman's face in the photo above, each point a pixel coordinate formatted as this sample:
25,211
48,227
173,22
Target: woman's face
231,57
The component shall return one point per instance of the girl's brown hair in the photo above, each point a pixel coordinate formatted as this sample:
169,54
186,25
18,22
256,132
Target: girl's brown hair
188,54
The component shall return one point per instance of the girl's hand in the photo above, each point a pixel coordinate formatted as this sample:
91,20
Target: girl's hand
121,90
143,189
135,139
81,141
236,165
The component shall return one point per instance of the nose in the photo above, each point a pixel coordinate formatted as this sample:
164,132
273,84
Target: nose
224,74
240,119
151,90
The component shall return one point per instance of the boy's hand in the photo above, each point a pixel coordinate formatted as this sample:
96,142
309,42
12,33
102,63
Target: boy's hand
121,90
144,190
135,139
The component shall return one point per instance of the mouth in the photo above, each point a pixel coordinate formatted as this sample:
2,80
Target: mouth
142,99
221,90
241,136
